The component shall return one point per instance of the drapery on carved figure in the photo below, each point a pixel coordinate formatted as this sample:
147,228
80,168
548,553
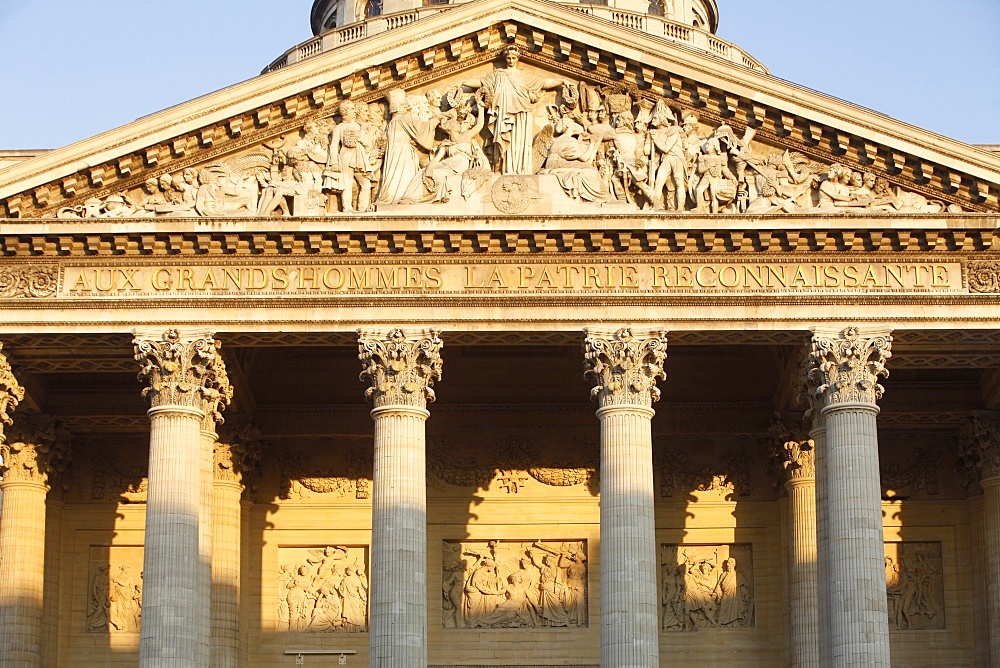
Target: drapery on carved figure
328,592
115,600
459,164
510,98
407,135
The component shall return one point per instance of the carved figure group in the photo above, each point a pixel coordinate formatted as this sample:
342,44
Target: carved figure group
913,583
329,592
115,600
608,146
519,585
704,591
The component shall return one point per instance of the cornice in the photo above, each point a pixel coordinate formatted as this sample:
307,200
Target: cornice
449,236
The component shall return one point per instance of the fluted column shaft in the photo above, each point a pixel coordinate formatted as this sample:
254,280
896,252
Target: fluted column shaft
171,596
624,368
629,610
803,594
187,385
227,539
401,370
205,526
843,373
22,574
860,627
399,538
991,559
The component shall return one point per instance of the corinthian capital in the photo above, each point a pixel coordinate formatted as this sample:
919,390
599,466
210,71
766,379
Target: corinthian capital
184,371
400,368
237,455
979,449
845,368
11,393
624,368
34,451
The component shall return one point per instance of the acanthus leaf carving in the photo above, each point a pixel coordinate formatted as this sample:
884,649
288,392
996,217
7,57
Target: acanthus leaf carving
624,368
184,371
35,450
237,457
33,282
846,368
979,450
11,393
400,369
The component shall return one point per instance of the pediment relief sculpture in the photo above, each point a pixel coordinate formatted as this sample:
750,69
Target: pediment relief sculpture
509,138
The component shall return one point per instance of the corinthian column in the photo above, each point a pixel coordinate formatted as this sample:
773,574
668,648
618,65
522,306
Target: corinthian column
232,461
400,370
623,370
980,453
30,454
844,370
187,383
799,470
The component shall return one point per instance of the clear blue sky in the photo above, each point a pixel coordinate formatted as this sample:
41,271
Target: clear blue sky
70,69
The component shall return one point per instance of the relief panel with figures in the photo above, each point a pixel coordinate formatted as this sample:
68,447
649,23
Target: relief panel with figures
511,139
322,589
514,584
706,587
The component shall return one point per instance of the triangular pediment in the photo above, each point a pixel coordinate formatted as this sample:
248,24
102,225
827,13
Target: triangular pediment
753,143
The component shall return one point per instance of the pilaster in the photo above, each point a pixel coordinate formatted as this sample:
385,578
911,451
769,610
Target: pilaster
187,384
233,458
844,369
400,370
979,452
30,454
623,369
798,472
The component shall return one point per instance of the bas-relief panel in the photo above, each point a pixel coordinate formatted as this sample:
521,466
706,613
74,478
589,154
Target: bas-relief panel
510,139
914,583
114,589
706,587
322,589
514,584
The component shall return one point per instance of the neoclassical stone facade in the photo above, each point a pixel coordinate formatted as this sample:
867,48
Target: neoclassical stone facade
400,312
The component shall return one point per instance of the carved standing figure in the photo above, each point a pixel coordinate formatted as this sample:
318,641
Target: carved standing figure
511,96
354,594
348,164
99,609
406,136
728,594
